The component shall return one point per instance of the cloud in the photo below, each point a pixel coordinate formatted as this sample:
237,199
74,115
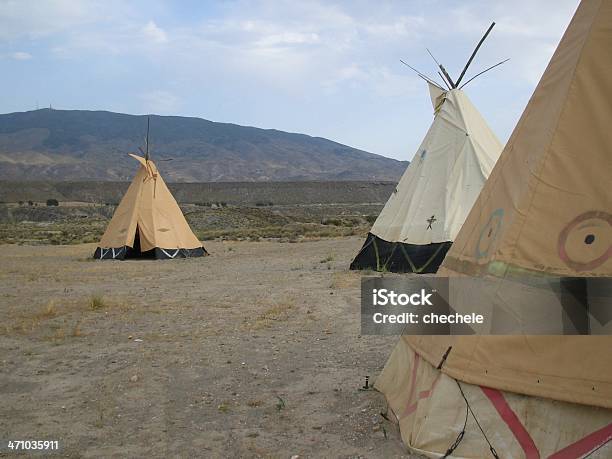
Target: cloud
155,33
528,32
394,29
287,38
377,81
160,102
43,18
20,56
289,44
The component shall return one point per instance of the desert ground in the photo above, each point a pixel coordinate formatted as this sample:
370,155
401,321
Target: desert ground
254,351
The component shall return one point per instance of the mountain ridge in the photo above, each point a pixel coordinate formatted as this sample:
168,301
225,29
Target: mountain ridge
50,144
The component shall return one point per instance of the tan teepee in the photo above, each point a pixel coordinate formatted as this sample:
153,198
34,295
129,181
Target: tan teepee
546,210
148,222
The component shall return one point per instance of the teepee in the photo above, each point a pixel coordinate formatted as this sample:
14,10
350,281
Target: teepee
422,217
148,221
545,212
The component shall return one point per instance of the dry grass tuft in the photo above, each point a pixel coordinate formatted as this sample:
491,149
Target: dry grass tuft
327,259
276,313
60,335
97,302
343,280
49,310
76,330
99,422
224,407
26,324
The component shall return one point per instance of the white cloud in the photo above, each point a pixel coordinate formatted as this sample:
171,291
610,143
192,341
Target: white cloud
160,102
377,81
155,33
288,38
528,32
394,29
20,56
42,18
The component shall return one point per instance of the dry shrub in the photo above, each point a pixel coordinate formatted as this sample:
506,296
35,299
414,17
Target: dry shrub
224,407
49,311
344,280
26,324
276,313
76,330
97,302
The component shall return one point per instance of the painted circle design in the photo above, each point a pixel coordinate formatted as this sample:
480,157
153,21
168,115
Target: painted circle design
586,242
489,233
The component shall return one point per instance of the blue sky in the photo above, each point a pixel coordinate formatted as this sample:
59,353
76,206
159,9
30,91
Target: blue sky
323,68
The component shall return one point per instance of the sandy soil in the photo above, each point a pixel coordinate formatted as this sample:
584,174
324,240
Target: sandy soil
251,352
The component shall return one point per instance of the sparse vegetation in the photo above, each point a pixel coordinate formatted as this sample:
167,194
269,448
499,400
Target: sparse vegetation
280,404
99,423
65,224
97,302
223,407
49,310
52,202
26,324
76,330
342,280
276,313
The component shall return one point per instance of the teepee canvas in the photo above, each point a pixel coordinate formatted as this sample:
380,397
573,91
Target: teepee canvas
546,211
425,212
148,221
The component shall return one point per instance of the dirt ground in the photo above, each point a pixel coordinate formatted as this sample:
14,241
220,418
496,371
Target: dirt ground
252,352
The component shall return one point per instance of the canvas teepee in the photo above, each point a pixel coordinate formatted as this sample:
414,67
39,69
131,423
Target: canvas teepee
546,210
425,212
148,221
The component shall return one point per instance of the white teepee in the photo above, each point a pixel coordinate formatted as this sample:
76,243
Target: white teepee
425,212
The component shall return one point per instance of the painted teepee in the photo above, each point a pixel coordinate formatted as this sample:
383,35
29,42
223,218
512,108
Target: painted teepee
546,211
432,199
148,221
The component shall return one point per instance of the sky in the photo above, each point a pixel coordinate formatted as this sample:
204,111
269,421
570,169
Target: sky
324,68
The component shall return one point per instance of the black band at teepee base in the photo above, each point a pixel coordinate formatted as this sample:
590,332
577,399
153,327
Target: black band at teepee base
122,253
380,255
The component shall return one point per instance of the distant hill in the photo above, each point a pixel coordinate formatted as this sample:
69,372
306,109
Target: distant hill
93,145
